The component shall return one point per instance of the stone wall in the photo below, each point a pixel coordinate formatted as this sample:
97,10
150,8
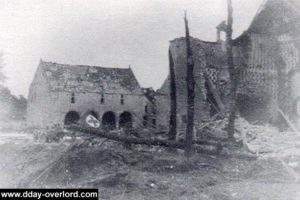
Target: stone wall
178,51
258,91
209,58
48,107
271,49
266,81
163,111
39,105
51,108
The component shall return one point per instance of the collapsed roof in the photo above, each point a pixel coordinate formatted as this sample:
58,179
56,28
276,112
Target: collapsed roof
214,57
280,16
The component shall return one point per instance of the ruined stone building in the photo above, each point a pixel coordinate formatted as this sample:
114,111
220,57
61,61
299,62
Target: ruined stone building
211,75
267,58
269,74
65,94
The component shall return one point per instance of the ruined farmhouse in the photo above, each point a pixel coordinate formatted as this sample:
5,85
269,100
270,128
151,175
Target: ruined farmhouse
65,94
266,58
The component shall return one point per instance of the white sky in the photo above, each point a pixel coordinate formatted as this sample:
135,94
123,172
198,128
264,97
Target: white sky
108,33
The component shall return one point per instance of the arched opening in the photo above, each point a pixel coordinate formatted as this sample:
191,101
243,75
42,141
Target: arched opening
125,120
109,121
71,117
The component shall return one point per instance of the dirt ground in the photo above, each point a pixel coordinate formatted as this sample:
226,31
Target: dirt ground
144,172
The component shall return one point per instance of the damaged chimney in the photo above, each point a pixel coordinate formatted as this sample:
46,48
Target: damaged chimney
222,27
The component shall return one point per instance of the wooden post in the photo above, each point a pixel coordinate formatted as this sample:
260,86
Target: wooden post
232,72
190,92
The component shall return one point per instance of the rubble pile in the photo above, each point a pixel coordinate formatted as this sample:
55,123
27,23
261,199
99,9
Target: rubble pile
262,140
267,140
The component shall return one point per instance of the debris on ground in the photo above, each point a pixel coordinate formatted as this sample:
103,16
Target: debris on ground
154,172
267,140
260,140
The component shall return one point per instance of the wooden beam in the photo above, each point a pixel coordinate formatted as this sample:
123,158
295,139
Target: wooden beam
293,127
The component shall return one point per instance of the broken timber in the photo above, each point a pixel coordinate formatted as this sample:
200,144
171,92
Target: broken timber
200,146
216,95
293,127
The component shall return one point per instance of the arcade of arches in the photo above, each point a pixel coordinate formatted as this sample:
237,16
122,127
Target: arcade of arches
108,120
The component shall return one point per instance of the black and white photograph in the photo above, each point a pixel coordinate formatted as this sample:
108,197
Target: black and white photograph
150,99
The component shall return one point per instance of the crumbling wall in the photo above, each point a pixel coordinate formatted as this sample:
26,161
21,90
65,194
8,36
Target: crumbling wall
178,51
266,82
272,56
210,63
258,80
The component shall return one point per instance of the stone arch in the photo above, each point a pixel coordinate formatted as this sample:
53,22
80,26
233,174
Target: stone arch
72,117
125,120
93,113
109,120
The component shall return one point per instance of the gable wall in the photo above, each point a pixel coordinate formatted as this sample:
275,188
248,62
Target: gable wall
39,102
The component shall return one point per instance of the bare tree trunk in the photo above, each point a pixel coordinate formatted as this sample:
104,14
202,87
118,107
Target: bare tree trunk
232,72
173,110
190,93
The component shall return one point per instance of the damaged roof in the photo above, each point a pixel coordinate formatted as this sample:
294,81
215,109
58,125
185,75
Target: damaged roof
214,52
214,55
275,15
83,78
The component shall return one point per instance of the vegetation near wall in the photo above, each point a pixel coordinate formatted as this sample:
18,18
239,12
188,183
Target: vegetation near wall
11,106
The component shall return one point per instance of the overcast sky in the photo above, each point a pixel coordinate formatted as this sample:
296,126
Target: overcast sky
107,33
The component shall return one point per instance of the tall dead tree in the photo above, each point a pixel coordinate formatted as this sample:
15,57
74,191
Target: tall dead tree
173,110
190,92
232,72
